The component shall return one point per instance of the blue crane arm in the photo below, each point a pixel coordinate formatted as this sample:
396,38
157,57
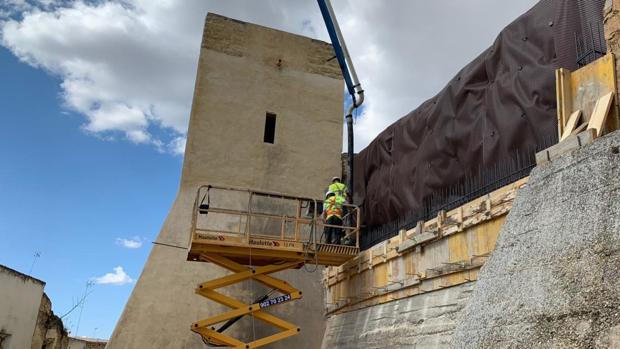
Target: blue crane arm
350,78
329,23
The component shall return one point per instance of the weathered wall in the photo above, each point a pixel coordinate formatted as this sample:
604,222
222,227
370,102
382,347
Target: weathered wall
553,280
40,330
49,330
20,297
423,321
244,71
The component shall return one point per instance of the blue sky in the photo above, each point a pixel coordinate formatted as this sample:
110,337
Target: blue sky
70,195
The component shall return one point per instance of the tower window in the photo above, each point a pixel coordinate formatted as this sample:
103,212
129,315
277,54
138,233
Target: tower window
270,128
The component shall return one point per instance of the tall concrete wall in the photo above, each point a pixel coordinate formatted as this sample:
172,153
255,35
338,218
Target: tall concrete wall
553,280
244,71
20,297
423,322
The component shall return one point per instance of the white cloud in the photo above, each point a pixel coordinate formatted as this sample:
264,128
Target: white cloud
118,277
129,66
132,243
177,145
406,51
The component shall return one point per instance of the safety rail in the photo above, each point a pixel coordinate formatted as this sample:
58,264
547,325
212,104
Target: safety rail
245,218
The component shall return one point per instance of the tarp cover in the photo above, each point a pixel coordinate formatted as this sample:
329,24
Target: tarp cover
501,103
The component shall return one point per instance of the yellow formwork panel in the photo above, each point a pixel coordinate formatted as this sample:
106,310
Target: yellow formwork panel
410,268
579,90
455,279
459,253
591,82
485,236
458,248
380,275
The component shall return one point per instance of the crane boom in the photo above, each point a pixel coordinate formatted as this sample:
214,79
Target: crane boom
350,77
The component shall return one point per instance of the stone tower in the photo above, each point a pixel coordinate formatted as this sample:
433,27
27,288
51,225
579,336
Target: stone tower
267,115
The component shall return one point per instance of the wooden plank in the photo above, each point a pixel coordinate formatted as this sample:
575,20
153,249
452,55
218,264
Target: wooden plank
380,275
410,267
580,129
486,236
572,123
458,248
600,113
415,241
564,98
558,98
571,143
581,89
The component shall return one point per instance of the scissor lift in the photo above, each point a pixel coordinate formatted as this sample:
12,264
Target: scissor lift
254,234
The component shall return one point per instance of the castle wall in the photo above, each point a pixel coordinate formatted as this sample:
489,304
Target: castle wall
244,72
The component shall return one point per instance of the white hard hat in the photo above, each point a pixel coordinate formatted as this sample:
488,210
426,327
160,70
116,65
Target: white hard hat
329,193
336,178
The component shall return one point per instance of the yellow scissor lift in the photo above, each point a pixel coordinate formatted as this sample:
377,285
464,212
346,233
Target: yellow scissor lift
254,234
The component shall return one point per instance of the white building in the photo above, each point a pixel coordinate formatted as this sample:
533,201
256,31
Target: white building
20,300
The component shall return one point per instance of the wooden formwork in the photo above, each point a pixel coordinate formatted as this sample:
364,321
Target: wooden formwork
443,252
586,98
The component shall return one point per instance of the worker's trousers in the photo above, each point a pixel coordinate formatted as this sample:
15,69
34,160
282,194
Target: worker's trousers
333,235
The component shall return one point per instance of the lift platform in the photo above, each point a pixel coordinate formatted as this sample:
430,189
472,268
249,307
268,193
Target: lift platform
254,234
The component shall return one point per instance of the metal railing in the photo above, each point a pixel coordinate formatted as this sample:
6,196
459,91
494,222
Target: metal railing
590,45
247,214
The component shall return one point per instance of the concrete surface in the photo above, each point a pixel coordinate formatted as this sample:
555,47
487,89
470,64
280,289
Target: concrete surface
20,297
244,71
554,279
424,321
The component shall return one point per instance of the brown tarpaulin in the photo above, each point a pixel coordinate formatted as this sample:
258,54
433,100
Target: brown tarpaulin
500,104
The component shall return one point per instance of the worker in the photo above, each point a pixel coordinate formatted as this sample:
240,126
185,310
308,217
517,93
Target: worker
338,188
332,212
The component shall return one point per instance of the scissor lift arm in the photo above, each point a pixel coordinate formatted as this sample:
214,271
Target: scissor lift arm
252,256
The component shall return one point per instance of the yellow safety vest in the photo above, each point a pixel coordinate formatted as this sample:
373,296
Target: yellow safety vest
333,206
340,189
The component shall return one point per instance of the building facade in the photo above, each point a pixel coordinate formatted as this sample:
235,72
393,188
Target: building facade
26,316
